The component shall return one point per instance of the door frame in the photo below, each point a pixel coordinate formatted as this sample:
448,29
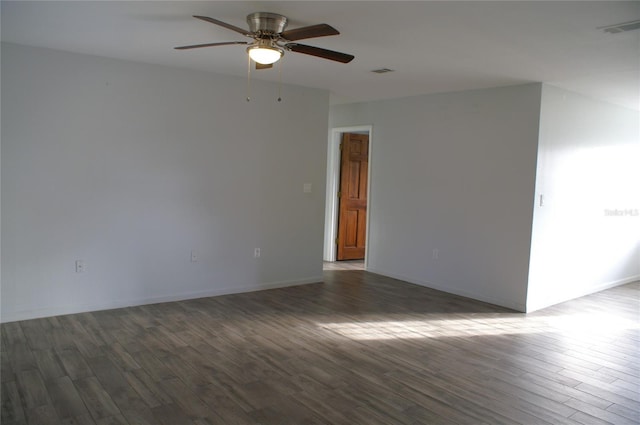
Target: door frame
333,185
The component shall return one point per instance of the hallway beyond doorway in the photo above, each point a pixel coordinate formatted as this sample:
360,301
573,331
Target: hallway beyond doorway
344,265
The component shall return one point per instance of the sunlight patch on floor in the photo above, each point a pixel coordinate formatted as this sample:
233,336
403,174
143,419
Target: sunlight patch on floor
577,325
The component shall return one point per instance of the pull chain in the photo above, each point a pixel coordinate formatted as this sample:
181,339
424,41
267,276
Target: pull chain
248,78
280,80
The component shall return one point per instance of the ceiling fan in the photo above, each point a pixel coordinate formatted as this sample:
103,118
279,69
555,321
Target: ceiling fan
270,40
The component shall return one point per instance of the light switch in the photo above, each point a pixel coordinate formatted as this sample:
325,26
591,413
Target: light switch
306,188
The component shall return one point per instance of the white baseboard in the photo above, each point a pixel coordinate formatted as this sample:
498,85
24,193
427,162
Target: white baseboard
456,291
35,313
564,297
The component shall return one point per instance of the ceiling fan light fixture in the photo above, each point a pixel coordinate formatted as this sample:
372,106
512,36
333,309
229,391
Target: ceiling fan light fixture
265,55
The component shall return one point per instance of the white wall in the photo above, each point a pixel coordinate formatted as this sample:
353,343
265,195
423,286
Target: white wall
588,167
455,173
130,166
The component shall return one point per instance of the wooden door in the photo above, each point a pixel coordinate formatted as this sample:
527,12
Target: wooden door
352,217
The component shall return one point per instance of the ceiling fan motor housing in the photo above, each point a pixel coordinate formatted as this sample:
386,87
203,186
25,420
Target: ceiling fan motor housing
266,23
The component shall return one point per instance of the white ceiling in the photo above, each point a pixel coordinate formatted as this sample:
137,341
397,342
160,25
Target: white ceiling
432,46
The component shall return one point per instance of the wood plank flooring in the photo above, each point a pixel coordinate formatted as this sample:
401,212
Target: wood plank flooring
357,349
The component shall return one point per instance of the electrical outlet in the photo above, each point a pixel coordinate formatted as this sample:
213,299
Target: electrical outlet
436,254
80,266
256,253
194,256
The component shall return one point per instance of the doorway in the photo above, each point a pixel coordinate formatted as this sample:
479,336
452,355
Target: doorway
361,216
352,196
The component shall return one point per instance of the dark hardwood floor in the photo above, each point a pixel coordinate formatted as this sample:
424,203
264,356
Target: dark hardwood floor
357,349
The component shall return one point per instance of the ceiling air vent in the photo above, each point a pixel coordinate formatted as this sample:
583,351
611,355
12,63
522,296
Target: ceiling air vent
626,26
382,70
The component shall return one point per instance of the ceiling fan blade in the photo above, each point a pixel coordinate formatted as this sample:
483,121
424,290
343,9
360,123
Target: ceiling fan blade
321,53
224,24
263,66
320,30
197,46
